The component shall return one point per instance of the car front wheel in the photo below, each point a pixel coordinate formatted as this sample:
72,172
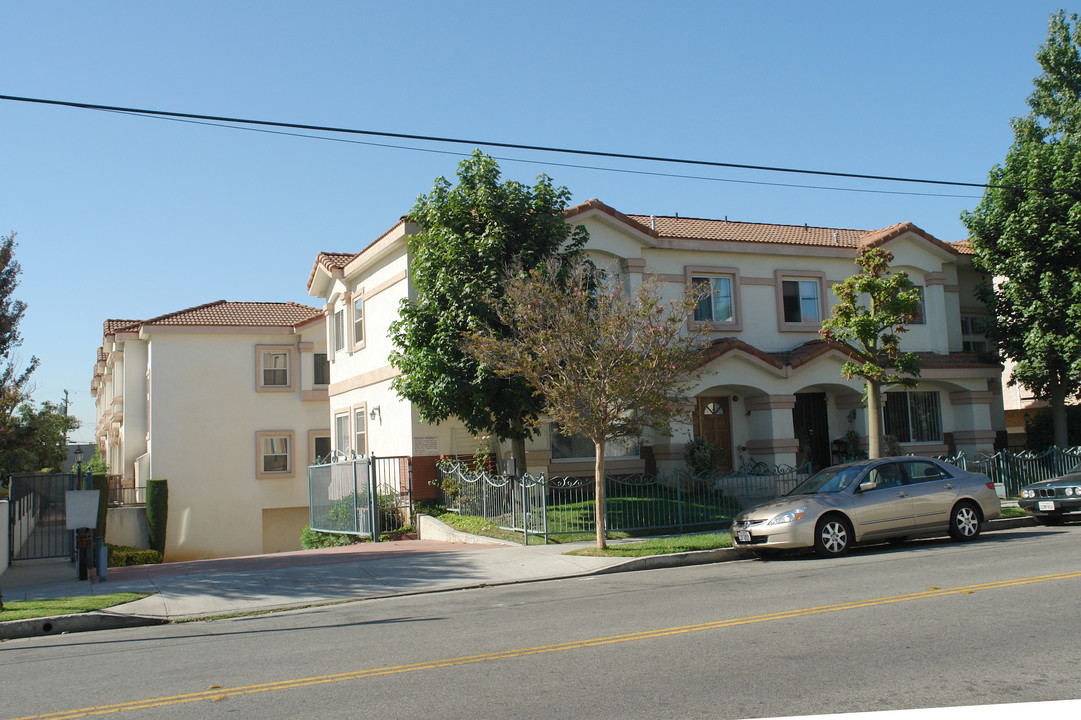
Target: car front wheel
833,536
965,522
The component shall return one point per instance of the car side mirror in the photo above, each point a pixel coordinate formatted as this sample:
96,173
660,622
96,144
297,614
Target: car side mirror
868,485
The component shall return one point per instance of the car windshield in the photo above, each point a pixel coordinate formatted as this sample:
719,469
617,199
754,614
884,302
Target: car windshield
830,480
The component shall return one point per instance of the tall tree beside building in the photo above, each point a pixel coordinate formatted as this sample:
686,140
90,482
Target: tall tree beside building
1026,232
35,438
14,382
872,309
606,362
470,233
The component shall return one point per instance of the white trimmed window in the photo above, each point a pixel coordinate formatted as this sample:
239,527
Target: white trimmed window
341,433
360,430
274,454
274,363
717,306
800,301
320,369
358,320
339,330
918,317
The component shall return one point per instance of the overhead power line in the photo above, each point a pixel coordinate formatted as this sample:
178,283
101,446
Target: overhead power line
516,146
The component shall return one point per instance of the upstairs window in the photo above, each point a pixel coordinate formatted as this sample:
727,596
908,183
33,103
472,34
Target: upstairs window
339,330
341,433
274,450
321,369
274,371
918,316
716,306
800,301
360,431
358,320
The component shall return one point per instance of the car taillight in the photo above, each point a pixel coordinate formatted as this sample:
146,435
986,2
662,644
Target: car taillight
990,485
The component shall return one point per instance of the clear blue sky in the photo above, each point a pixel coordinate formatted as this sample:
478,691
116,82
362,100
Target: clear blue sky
129,217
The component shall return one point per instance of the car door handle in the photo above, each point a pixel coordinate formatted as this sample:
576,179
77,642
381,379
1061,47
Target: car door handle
902,494
949,486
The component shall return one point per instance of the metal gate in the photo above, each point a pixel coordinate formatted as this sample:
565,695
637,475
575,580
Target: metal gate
37,526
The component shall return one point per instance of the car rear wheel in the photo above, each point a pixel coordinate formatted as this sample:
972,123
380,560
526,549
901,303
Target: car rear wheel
965,522
833,536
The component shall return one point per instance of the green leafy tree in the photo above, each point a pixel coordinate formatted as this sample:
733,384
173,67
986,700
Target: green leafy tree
1026,231
607,363
34,438
469,234
869,318
14,382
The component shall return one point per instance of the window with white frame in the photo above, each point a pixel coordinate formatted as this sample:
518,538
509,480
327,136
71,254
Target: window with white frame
358,320
973,329
800,302
274,454
913,417
341,433
360,431
717,305
275,372
339,330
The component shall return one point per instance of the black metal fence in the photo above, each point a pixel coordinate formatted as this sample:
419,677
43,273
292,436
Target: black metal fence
38,516
657,503
1014,470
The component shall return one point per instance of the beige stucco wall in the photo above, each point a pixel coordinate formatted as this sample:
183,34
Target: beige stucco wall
204,413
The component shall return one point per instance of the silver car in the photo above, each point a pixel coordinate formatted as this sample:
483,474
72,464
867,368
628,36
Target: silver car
870,501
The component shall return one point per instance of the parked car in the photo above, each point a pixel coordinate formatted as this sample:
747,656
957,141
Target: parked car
1054,501
870,501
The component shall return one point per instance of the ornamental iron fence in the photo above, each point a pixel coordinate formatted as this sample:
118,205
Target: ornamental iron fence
677,502
1012,470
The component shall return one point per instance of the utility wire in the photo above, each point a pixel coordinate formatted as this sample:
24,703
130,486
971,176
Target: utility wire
516,146
546,163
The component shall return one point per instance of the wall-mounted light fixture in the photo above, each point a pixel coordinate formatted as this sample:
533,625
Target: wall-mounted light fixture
376,413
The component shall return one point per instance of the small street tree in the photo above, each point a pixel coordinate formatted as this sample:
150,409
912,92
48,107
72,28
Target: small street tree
874,306
607,363
35,438
469,234
14,382
1026,232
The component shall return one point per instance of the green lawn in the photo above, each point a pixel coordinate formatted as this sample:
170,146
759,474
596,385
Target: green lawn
25,610
662,546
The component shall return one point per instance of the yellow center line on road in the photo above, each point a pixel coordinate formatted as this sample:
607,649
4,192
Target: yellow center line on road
220,693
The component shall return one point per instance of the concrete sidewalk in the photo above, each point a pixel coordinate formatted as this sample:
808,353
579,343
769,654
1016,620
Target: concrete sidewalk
259,583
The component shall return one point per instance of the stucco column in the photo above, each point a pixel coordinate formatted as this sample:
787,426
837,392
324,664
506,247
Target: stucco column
973,432
772,437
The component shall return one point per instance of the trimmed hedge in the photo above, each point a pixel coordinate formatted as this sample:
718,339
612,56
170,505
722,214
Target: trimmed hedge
101,484
157,512
124,556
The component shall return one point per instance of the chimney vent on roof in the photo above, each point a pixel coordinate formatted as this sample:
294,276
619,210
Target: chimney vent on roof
836,238
805,226
653,223
677,216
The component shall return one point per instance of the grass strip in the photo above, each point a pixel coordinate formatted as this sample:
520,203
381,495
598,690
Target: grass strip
28,609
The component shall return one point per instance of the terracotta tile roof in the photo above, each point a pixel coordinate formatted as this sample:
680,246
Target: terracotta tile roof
808,351
674,227
113,325
338,260
964,247
248,314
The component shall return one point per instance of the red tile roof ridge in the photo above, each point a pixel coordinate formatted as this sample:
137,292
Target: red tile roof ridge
242,313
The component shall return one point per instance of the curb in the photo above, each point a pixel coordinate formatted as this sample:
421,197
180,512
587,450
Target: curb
83,622
103,620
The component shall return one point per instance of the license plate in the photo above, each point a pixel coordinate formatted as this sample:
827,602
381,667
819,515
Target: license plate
743,536
1046,505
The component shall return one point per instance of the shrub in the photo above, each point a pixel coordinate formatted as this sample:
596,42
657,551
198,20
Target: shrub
124,556
157,512
703,455
311,539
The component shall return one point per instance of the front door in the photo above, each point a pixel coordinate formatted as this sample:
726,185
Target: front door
713,421
810,424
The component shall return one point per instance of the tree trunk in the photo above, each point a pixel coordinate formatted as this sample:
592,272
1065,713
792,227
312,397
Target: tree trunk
517,451
1057,400
599,496
874,421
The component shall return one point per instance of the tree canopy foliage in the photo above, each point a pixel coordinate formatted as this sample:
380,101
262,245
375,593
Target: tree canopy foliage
1026,231
34,438
14,382
608,362
470,233
872,331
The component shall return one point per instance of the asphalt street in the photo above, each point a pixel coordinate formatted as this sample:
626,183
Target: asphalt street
930,624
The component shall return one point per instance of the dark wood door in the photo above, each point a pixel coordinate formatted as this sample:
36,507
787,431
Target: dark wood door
713,421
809,420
